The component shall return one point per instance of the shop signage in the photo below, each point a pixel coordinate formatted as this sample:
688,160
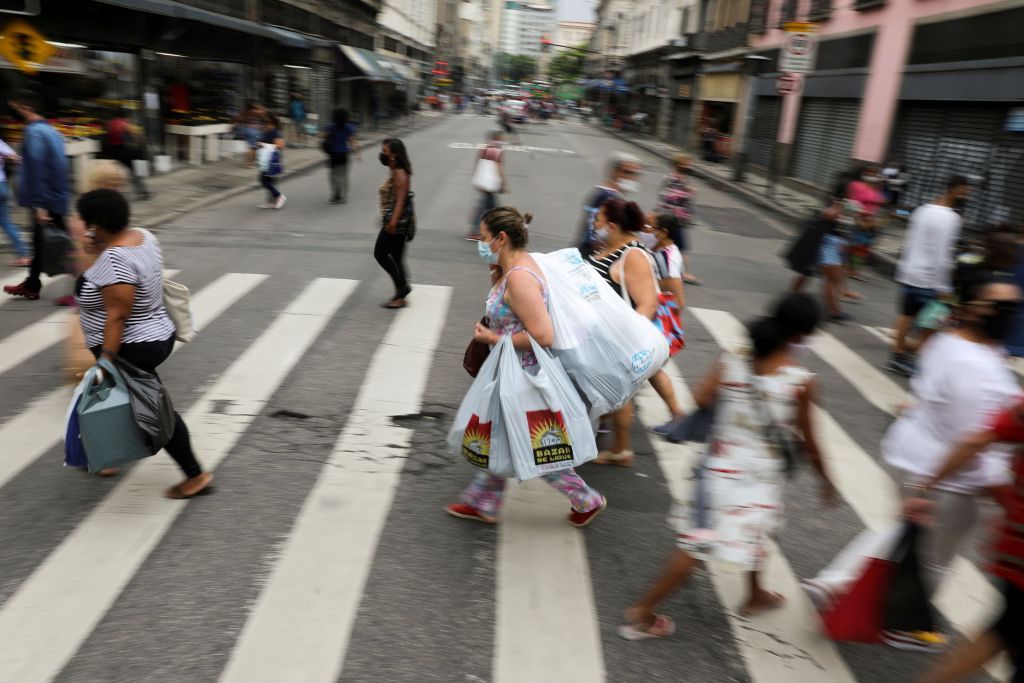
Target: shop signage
799,49
65,60
25,47
788,84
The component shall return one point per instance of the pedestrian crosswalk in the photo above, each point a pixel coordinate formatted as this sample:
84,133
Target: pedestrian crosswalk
308,601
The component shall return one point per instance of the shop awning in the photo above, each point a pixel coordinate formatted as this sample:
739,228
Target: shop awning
293,39
364,64
393,69
169,8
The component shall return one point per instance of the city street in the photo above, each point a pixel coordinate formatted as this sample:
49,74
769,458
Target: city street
324,553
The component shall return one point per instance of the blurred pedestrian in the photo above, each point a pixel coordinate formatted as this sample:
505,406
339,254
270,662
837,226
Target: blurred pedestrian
623,171
489,179
124,143
394,194
339,144
925,268
250,127
297,113
121,299
43,187
677,195
517,306
759,396
22,257
866,190
274,164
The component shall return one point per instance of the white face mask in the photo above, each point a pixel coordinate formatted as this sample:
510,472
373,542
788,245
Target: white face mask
648,239
628,186
601,234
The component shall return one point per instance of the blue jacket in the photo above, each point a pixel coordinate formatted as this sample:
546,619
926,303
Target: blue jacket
44,170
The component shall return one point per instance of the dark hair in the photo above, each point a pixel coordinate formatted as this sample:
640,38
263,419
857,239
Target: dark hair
273,120
28,98
667,221
397,148
340,118
106,209
843,182
957,181
793,314
626,215
508,220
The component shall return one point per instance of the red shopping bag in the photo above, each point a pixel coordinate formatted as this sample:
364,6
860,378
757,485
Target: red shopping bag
857,616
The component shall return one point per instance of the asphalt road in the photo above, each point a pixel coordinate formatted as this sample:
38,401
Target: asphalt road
324,553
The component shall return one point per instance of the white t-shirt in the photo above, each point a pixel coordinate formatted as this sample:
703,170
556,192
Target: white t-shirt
959,387
670,262
927,259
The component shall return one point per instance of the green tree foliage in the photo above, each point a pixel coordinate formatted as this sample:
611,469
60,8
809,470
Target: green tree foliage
516,67
567,66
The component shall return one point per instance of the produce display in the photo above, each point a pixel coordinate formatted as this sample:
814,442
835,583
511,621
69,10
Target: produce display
199,117
73,125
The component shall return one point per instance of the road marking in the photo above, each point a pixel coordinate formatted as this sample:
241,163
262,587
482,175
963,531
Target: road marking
313,594
779,646
879,390
543,588
52,613
510,148
966,598
39,427
883,333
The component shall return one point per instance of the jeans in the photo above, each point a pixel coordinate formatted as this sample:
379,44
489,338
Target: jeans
268,182
338,176
33,282
12,230
147,356
390,254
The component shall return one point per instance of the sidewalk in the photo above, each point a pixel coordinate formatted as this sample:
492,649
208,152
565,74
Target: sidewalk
787,203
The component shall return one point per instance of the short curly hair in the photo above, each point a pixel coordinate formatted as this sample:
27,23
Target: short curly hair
106,209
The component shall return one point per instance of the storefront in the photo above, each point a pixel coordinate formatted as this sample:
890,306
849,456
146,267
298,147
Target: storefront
720,89
825,135
369,84
764,130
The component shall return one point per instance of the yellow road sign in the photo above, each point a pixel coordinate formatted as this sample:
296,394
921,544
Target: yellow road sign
25,47
800,27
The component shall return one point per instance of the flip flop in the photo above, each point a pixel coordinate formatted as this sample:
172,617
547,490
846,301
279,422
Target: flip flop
393,304
663,627
778,602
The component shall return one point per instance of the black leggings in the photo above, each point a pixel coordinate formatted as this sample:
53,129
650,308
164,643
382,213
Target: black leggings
390,254
146,356
267,181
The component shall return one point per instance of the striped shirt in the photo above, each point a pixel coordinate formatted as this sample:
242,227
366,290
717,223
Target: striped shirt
604,265
141,266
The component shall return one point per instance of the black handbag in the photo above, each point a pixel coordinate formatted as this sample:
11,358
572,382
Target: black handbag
57,248
407,222
695,427
802,254
782,439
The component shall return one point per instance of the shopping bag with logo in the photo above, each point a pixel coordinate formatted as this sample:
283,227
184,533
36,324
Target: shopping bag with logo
106,421
179,310
608,349
544,418
477,433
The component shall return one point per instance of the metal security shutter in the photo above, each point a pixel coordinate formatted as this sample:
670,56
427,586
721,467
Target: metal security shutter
764,130
936,141
323,92
824,140
679,132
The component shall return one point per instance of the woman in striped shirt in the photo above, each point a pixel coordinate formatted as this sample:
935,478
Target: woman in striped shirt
121,304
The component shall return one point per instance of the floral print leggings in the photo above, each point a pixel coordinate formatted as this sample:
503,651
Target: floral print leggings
487,490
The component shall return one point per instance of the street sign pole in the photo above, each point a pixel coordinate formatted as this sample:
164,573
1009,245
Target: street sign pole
797,56
754,64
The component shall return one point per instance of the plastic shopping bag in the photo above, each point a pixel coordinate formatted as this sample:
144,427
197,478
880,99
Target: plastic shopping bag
108,427
486,176
608,349
74,448
544,417
477,433
150,403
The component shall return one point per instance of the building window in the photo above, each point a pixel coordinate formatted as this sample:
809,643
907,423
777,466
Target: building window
821,10
684,25
787,12
758,16
861,5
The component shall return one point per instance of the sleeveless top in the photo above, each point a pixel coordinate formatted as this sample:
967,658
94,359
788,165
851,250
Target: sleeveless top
501,317
604,265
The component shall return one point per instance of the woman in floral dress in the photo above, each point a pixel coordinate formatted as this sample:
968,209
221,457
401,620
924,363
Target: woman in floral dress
759,397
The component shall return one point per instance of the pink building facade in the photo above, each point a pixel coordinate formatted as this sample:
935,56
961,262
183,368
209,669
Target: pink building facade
935,84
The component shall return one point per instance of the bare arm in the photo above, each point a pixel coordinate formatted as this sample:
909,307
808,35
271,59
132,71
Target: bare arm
674,286
526,299
640,284
401,179
964,452
117,300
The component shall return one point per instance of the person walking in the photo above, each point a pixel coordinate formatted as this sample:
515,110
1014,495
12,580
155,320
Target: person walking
339,144
122,144
395,202
43,188
676,195
488,179
962,382
297,113
518,306
621,180
22,257
274,164
121,302
925,268
759,396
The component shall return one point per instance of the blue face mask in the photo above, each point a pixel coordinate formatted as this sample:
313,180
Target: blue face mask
484,249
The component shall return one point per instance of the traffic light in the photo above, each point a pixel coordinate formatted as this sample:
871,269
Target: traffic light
545,43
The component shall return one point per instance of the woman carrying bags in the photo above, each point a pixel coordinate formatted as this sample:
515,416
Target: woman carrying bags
517,306
121,302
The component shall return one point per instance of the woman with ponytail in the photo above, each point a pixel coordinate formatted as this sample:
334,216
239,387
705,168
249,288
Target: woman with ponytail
760,398
517,306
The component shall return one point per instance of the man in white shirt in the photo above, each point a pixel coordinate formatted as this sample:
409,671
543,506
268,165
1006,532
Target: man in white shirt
925,268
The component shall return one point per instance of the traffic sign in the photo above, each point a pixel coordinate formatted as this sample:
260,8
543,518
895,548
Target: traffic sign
788,84
799,49
25,47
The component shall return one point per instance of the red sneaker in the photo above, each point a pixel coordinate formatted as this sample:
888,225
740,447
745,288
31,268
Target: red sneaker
580,519
466,511
22,290
68,300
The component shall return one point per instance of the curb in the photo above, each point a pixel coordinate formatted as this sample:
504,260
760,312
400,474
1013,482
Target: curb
295,171
882,263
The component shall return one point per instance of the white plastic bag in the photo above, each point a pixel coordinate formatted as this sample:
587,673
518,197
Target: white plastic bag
544,418
477,433
264,156
608,349
486,177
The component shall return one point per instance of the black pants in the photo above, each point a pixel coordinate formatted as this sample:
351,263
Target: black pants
390,254
33,282
268,182
147,356
338,175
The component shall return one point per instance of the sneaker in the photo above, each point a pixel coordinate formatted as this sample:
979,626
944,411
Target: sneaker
915,641
21,289
901,364
68,300
281,199
581,519
466,511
